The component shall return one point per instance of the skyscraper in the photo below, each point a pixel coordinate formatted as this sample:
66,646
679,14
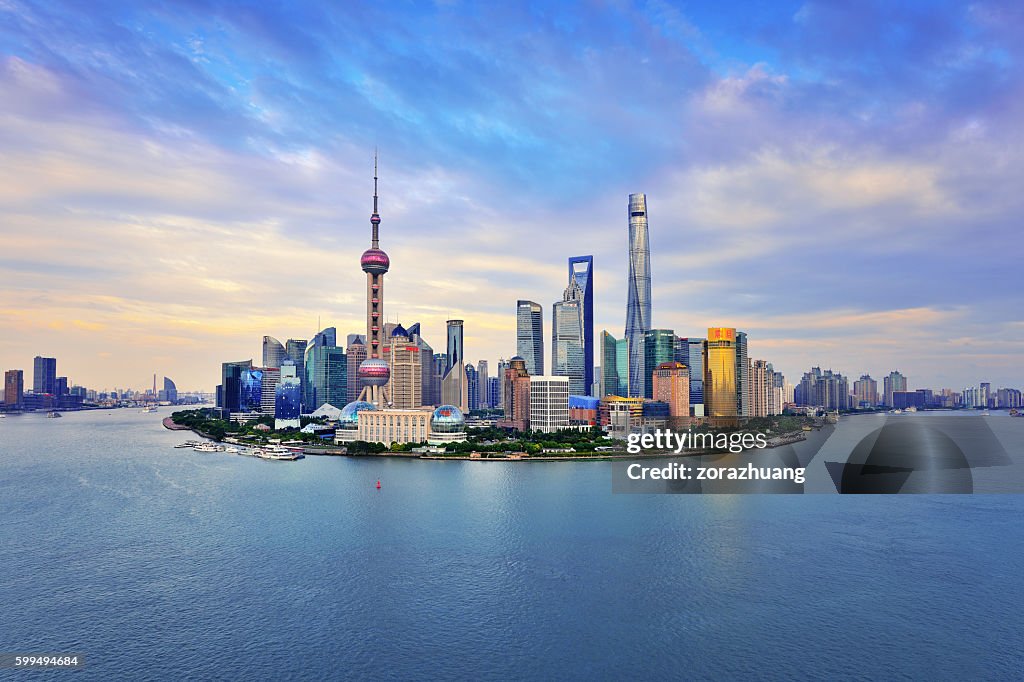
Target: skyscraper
355,352
406,384
530,335
484,379
44,375
581,269
502,366
315,365
720,376
373,371
430,390
472,387
230,386
659,348
638,293
170,392
893,383
296,351
671,384
287,397
273,352
14,388
567,354
742,376
250,390
454,390
516,392
865,391
326,375
614,366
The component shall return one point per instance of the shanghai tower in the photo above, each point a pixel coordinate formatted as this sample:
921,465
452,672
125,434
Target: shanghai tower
638,293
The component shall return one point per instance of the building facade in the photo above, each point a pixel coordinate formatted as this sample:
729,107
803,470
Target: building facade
659,348
567,353
549,403
670,382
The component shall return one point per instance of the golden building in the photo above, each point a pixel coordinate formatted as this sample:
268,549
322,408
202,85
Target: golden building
720,376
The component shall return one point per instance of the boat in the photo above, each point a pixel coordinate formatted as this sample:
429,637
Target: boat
206,447
985,414
911,409
185,445
232,450
149,408
53,415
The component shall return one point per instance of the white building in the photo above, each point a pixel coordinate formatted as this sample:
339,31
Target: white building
549,403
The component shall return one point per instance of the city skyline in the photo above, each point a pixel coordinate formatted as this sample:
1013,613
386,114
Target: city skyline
168,205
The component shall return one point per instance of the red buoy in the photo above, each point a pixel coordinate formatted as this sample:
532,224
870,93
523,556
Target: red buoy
378,484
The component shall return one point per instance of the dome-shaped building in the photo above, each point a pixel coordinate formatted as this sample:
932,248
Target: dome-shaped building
348,420
447,425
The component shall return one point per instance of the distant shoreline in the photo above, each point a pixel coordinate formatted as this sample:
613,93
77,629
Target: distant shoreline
785,439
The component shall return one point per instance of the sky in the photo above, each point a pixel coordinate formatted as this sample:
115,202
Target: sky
842,181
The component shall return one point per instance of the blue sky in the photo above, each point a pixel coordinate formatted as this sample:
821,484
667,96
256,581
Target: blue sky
840,180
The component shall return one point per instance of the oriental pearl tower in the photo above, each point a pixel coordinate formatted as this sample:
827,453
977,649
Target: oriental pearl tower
374,371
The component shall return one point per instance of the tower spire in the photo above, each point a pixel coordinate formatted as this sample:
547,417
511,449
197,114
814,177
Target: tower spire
375,218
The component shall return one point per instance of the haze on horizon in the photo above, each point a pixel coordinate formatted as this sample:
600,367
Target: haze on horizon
841,181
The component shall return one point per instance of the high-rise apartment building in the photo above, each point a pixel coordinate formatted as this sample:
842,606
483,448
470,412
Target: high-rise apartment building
14,388
530,335
691,351
44,375
502,366
760,373
581,271
268,395
825,389
742,376
865,392
892,383
720,376
638,293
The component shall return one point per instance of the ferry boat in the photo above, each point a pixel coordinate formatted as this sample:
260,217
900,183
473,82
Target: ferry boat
185,445
206,447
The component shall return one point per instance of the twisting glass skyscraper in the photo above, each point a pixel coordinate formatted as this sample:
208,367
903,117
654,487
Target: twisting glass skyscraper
638,293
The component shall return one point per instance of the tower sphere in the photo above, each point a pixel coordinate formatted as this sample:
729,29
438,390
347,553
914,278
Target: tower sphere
375,262
374,372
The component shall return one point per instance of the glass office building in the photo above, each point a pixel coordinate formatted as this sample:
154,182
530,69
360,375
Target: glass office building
581,270
659,347
530,336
